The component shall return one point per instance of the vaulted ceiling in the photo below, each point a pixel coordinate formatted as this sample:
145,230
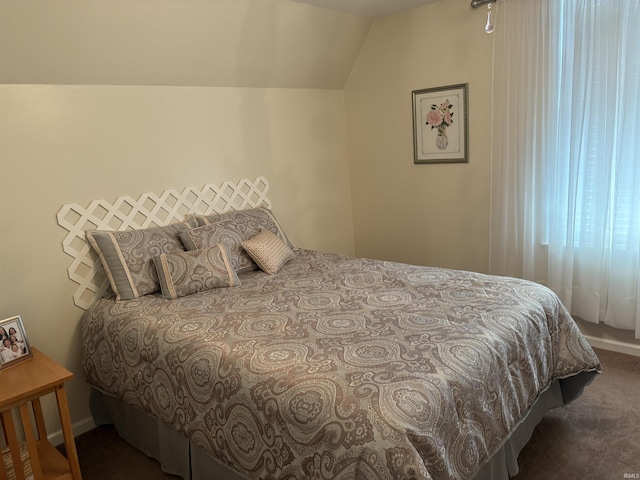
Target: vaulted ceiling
240,43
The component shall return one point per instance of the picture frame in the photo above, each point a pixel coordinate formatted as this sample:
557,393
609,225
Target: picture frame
16,349
441,124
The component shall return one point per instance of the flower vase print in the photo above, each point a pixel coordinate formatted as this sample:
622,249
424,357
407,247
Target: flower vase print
440,123
440,117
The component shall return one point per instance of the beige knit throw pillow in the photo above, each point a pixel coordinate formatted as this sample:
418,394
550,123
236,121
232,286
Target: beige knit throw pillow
268,250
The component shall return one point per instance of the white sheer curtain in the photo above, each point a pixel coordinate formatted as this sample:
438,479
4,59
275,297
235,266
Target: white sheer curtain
566,153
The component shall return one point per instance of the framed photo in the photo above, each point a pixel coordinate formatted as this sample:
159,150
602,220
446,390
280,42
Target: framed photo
440,124
15,346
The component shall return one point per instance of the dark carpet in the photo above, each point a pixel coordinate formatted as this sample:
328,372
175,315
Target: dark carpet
597,437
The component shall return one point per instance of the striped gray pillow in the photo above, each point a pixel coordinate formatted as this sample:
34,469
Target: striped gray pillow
127,256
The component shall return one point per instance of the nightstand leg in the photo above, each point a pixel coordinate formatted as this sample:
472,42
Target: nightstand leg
3,473
36,468
4,431
69,441
14,446
37,413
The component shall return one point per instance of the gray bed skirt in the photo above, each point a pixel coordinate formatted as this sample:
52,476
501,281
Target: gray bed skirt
178,457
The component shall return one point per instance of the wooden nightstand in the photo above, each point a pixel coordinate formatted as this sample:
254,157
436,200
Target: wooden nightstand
24,384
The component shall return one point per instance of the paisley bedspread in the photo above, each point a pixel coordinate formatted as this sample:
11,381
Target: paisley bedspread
338,367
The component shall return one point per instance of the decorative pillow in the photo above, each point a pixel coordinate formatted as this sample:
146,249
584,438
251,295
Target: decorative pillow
195,271
192,220
233,229
127,256
268,251
261,216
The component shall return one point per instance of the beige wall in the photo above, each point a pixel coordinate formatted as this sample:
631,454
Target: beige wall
215,43
62,144
425,214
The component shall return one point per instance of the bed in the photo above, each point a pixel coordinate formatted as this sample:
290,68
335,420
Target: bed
289,363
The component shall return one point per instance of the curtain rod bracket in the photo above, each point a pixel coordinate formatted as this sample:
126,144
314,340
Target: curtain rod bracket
479,3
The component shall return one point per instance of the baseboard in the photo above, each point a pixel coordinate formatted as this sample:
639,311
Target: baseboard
83,426
613,345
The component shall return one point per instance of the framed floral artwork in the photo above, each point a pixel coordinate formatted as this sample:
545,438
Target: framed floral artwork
440,124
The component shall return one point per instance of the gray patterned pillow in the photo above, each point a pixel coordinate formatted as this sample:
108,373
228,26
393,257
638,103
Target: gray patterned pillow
192,220
233,229
259,216
195,271
127,256
268,251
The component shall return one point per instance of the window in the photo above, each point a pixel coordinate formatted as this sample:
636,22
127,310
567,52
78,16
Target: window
566,153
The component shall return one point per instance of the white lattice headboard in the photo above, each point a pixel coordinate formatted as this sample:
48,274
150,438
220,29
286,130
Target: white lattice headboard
148,210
